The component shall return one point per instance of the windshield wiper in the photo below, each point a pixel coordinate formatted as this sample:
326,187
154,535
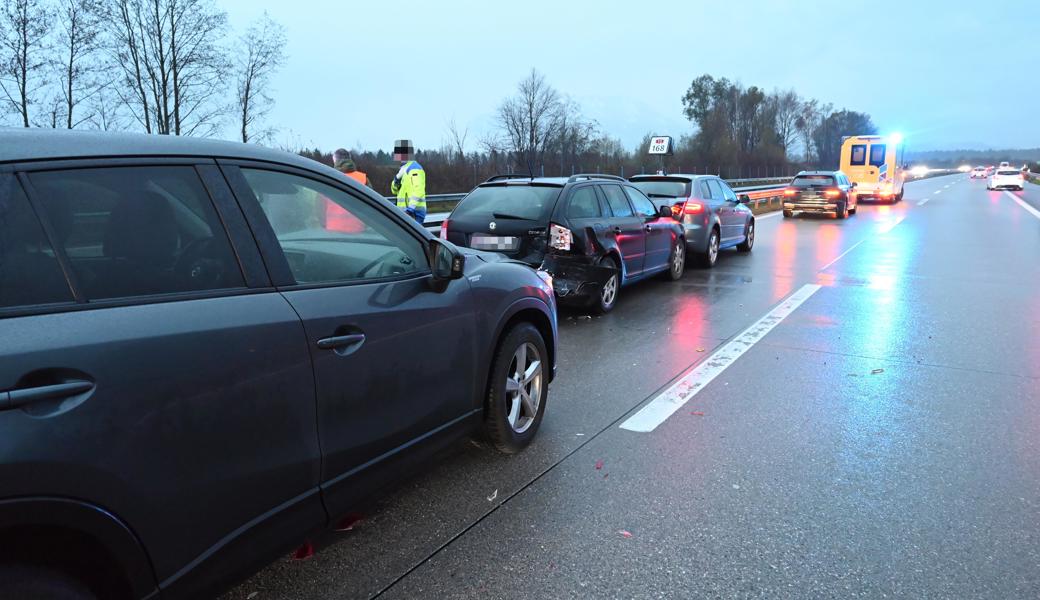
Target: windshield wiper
513,217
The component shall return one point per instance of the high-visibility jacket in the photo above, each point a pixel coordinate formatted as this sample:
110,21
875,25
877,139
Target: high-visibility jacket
410,188
358,176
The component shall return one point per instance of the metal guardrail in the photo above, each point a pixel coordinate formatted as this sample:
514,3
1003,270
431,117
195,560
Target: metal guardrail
434,220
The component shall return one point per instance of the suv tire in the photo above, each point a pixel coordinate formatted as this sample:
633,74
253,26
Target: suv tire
749,238
512,387
677,260
26,582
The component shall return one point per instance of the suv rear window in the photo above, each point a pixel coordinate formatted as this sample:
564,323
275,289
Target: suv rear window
29,270
526,202
811,180
662,188
1006,172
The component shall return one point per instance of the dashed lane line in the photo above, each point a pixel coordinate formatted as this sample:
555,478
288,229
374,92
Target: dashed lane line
675,397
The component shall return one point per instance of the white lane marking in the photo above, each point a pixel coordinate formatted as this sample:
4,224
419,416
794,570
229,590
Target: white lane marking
842,255
769,216
923,202
675,397
1024,204
890,226
938,191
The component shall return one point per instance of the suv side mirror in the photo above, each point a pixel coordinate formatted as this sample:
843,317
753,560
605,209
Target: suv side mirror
854,184
743,198
446,260
665,211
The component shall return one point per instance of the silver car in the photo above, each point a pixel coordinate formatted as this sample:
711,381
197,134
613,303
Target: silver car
712,214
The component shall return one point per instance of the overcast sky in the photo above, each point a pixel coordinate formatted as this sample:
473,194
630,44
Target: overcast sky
947,74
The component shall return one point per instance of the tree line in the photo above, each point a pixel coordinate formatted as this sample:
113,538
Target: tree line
739,132
168,67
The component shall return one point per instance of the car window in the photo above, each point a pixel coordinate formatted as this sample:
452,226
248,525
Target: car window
663,188
617,201
330,236
877,154
727,191
716,189
859,155
137,231
29,270
642,204
705,190
813,180
584,204
528,202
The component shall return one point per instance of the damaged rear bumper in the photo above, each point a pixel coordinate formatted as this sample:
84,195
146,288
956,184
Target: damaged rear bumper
576,278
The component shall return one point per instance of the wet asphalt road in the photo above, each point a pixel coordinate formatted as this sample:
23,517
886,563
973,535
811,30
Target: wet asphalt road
882,441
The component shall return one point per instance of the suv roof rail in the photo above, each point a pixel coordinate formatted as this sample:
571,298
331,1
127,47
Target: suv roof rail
504,176
581,176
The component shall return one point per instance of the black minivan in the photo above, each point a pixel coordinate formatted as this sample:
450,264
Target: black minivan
592,233
210,352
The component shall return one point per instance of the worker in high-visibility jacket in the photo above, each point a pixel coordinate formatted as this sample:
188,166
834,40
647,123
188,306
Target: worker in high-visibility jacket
409,185
345,164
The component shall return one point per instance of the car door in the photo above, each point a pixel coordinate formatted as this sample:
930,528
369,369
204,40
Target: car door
152,370
627,229
716,200
394,351
585,216
732,218
659,231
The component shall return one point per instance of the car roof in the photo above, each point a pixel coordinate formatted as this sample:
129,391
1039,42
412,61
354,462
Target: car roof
653,176
817,173
25,145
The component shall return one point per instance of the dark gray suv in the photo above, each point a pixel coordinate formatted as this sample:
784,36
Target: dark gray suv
212,351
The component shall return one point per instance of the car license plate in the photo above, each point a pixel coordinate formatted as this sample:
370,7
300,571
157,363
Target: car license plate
494,242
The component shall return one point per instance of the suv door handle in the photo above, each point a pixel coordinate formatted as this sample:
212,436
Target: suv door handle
617,230
25,396
649,228
341,341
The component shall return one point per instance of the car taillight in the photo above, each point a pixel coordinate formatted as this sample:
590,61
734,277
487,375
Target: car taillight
444,230
693,208
832,193
790,192
560,238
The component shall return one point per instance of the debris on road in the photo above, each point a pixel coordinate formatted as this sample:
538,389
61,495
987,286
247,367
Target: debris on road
700,349
625,534
599,465
877,371
492,497
697,413
348,522
252,595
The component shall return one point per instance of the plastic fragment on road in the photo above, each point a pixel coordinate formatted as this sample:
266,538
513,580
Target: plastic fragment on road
348,522
304,552
700,349
252,595
599,465
697,413
493,495
877,371
625,534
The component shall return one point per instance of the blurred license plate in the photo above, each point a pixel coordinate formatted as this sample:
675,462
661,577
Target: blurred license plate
494,242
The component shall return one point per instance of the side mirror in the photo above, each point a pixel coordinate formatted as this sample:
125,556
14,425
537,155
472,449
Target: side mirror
446,260
743,198
854,184
665,211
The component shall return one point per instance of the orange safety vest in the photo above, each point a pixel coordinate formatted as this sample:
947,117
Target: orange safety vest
358,176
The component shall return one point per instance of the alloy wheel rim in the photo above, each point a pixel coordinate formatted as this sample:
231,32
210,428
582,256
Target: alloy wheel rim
713,247
677,262
524,387
610,290
751,235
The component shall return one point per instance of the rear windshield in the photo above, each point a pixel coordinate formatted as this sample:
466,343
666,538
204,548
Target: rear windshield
658,188
528,202
1006,172
811,180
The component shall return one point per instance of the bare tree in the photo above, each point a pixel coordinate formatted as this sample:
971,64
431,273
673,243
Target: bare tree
261,51
532,118
809,119
78,43
24,26
787,107
107,109
458,139
172,64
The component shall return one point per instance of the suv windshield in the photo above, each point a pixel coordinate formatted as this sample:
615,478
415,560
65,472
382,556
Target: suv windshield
661,188
811,180
528,202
